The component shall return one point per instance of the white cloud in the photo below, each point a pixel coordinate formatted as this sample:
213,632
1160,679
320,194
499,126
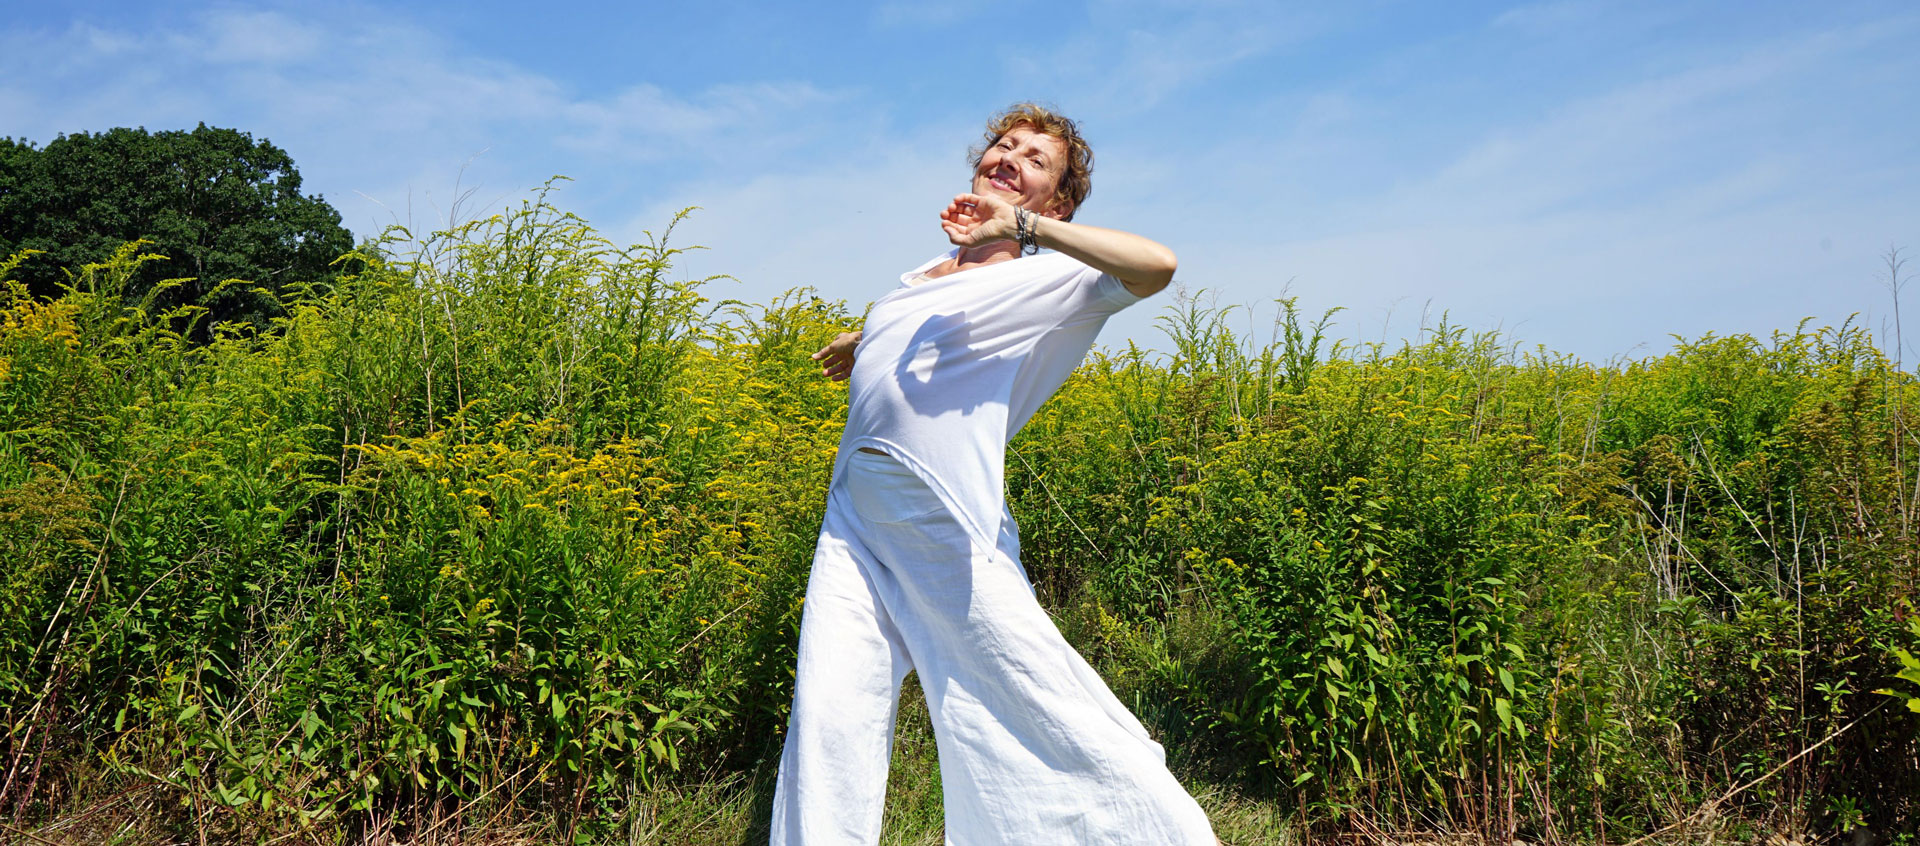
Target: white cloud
648,112
101,42
242,36
1686,192
389,114
1598,226
1688,202
1545,15
1636,133
847,226
1134,55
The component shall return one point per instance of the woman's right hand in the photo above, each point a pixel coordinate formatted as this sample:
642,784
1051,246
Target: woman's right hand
836,358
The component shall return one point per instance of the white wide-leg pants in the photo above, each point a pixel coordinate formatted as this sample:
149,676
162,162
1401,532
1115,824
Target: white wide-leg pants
1034,749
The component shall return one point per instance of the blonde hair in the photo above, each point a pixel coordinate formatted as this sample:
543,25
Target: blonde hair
1076,182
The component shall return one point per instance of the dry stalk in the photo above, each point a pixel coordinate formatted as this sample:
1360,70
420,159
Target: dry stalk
1713,805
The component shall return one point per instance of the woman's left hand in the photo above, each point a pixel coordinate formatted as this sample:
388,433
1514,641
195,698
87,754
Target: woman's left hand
836,358
974,219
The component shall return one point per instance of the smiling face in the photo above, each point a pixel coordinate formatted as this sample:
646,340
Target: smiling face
1023,167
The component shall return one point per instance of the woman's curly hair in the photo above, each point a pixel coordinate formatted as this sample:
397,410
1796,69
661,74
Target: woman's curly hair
1077,181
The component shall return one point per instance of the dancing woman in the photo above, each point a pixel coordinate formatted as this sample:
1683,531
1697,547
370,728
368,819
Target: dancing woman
918,563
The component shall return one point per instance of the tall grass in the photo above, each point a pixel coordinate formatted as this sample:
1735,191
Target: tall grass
505,533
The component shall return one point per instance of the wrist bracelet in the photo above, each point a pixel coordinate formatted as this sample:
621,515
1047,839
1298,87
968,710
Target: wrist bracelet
1024,231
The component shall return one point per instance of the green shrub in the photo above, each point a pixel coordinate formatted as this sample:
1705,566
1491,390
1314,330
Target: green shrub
506,523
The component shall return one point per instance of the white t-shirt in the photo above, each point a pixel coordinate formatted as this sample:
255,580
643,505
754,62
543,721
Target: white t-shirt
949,369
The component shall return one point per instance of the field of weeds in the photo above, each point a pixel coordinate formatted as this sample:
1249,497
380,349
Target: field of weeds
501,537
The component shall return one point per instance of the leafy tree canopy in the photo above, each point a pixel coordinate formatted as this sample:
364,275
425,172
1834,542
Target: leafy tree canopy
218,204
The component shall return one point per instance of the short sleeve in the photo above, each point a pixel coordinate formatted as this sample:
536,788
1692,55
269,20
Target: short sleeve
1115,292
1098,296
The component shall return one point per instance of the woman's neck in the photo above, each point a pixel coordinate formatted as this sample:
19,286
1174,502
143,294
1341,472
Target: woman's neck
969,257
986,254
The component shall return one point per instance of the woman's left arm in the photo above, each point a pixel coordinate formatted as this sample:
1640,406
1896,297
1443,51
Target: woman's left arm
1145,266
1142,264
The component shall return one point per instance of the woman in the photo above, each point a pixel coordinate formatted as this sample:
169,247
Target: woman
918,563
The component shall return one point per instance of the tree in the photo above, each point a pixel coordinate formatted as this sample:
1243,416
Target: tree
216,203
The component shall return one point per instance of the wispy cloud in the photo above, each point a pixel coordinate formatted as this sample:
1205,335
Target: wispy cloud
847,225
763,112
1713,196
1589,177
1546,15
252,37
394,109
1133,54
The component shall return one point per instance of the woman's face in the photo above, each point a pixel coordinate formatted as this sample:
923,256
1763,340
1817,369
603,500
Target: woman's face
1023,168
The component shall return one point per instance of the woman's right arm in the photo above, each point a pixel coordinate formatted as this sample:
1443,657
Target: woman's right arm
836,358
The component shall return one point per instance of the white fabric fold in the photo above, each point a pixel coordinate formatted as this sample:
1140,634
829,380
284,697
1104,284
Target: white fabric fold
949,369
1033,746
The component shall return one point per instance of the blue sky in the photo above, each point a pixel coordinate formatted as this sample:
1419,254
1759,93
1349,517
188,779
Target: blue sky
1592,177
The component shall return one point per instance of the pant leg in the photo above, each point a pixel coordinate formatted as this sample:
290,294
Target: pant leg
1033,746
832,779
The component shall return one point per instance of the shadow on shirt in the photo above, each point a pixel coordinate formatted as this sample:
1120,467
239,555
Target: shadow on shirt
940,371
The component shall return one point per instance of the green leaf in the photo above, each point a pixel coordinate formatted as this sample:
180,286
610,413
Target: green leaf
1506,680
1374,654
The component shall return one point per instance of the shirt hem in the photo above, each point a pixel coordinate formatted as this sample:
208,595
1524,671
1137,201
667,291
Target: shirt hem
985,540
